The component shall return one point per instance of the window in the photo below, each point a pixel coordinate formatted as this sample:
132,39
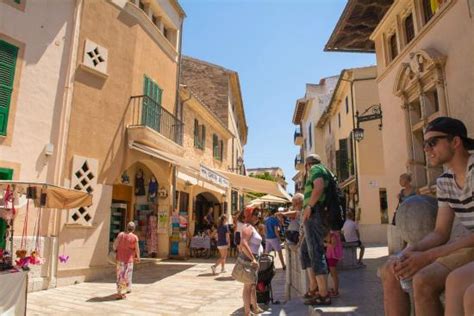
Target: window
234,201
199,135
141,5
6,174
347,105
151,115
8,56
339,119
409,28
383,206
392,45
310,135
154,19
165,32
217,147
428,11
183,201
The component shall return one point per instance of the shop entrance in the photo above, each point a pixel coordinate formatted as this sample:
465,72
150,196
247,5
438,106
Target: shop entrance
135,198
204,202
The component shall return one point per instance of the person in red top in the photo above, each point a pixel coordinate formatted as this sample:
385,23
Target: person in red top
128,252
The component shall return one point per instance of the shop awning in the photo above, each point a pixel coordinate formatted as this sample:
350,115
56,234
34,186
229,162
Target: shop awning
188,165
269,199
56,196
249,184
188,170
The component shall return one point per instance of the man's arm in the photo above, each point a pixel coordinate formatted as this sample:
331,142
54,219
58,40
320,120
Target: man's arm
318,189
441,233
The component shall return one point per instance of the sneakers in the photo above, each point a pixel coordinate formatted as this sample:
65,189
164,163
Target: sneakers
223,271
213,268
319,301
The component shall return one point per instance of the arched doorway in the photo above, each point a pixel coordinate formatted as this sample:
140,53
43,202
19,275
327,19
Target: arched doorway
204,201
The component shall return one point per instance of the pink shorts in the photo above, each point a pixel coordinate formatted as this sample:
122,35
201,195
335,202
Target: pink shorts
332,262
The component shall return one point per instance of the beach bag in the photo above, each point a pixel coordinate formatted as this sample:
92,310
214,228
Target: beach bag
244,272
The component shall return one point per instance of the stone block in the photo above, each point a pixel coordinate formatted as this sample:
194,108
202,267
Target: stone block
416,217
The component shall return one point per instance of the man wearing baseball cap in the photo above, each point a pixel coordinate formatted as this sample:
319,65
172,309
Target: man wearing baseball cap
429,262
312,251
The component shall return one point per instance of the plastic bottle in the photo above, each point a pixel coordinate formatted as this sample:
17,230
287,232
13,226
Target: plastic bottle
406,284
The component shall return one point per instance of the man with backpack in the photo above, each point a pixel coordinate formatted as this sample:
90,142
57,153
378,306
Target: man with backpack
319,215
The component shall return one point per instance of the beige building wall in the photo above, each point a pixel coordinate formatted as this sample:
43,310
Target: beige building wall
101,115
450,33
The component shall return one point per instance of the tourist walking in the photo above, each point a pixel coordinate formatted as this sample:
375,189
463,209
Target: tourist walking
427,263
351,234
128,252
272,236
407,191
312,250
223,243
250,251
334,253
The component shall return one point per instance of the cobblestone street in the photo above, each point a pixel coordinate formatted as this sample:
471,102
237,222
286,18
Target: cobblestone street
189,288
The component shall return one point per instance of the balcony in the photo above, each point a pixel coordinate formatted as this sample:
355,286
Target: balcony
298,137
150,119
299,163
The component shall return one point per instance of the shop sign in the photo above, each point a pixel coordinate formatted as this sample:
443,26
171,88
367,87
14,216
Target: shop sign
213,177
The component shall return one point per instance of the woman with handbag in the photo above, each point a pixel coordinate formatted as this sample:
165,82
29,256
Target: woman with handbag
128,252
250,251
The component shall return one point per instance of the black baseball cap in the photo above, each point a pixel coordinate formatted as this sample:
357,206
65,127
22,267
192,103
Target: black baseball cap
451,126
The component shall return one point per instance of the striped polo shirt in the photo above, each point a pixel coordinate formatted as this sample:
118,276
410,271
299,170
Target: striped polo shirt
449,194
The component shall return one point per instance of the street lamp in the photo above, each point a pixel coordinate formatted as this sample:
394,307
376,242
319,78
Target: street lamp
374,112
240,163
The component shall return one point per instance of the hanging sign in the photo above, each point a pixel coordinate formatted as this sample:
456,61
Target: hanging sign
213,177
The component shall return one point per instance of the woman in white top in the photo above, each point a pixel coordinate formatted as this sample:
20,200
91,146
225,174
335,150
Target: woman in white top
250,250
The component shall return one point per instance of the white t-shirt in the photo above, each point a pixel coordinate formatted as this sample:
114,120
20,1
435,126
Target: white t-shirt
350,227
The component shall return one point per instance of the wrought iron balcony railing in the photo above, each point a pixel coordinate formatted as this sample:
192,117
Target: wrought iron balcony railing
148,112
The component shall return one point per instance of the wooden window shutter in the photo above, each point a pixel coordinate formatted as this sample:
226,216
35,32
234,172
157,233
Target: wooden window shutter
6,174
222,150
215,146
203,140
196,132
8,57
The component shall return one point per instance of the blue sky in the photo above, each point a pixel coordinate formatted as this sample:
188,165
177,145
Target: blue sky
276,46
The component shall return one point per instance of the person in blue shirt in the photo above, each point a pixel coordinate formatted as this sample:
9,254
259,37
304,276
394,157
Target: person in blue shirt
272,233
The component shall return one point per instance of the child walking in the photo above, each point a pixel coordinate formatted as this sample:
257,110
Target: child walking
334,253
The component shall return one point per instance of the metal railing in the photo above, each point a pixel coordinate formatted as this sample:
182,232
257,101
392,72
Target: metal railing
298,160
148,112
298,133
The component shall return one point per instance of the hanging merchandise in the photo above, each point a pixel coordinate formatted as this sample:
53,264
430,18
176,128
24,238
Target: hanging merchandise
63,258
8,211
22,260
35,256
152,189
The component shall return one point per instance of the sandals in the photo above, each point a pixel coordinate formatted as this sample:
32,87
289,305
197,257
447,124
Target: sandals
311,294
333,293
257,310
319,300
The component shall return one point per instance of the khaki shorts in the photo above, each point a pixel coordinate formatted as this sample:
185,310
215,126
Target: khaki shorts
457,259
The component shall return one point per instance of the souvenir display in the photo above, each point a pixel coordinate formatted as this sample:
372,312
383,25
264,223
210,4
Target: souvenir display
139,183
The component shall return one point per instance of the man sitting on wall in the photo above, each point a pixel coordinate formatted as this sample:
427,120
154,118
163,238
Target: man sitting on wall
351,234
429,261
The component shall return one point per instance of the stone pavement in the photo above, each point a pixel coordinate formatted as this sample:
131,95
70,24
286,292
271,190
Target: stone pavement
189,288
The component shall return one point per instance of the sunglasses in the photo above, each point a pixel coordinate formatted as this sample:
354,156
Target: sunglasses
433,141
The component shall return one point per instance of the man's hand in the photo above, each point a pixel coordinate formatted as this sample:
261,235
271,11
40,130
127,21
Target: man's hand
306,213
411,262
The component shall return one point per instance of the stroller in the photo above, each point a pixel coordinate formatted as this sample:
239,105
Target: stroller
266,272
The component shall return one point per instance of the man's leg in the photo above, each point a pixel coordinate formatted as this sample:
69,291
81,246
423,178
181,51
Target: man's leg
314,234
428,283
362,251
456,285
396,301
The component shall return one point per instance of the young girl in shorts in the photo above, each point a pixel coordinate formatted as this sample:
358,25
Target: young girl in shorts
334,252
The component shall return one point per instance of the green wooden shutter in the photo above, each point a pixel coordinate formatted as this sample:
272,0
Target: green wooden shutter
196,133
151,104
215,146
8,56
6,174
203,140
222,150
343,159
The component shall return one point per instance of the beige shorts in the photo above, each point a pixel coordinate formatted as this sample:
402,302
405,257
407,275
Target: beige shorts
223,247
457,259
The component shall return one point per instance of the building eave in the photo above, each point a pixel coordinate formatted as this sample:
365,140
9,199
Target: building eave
354,28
